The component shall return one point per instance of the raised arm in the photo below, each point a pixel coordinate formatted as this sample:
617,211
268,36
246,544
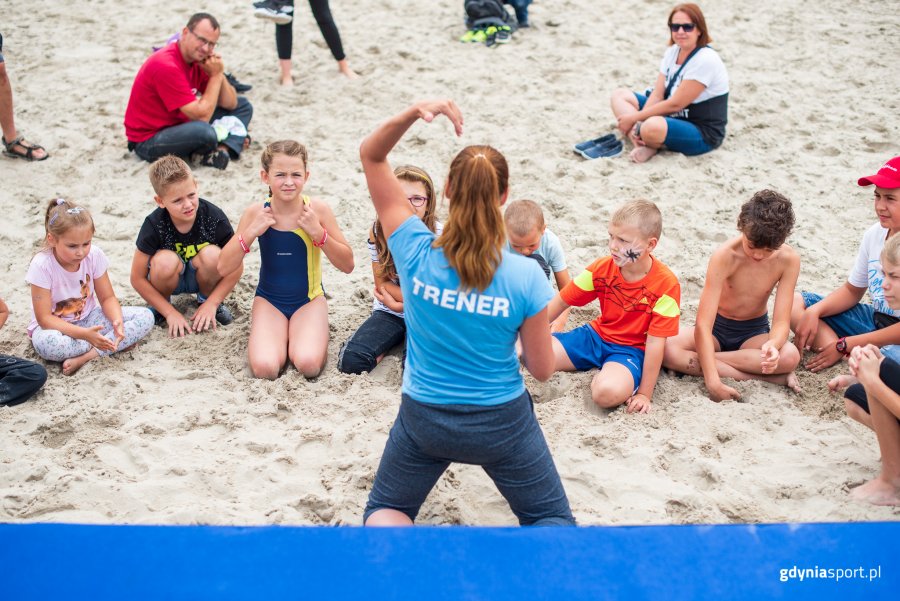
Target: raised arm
387,195
254,222
335,245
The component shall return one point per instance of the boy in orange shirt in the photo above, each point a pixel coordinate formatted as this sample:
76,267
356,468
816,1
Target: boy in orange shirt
639,308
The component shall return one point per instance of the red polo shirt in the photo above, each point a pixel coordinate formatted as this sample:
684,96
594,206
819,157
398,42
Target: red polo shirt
163,85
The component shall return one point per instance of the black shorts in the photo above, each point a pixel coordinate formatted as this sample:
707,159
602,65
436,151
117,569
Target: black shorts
732,333
890,375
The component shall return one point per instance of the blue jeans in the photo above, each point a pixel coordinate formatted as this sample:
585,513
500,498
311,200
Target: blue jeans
19,379
505,440
853,322
521,8
681,136
196,137
381,332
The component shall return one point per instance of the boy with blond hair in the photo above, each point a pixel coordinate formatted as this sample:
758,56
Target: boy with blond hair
178,251
639,308
732,337
527,234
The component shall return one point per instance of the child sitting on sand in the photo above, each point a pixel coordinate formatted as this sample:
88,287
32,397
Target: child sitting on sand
76,315
385,327
639,308
874,396
527,235
732,338
178,251
290,315
19,378
834,325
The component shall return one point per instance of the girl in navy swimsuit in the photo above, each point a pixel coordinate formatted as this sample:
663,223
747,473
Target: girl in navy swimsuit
290,314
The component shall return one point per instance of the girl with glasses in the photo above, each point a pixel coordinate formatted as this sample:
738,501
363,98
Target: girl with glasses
686,110
385,327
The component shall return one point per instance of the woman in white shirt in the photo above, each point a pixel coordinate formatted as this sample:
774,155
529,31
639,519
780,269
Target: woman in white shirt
687,109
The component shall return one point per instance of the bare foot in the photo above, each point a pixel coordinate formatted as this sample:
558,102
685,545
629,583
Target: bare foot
877,492
344,68
793,382
642,154
70,366
841,382
287,82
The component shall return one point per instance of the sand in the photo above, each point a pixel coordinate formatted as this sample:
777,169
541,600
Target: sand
178,432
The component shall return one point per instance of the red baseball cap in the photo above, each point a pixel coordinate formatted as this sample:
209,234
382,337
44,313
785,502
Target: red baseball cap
887,177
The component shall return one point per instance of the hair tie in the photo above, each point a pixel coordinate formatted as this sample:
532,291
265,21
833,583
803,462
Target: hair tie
60,201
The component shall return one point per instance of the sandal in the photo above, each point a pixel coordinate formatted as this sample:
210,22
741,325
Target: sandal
28,155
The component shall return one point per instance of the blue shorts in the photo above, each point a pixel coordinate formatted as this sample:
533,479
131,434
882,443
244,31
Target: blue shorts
681,136
187,280
586,350
852,322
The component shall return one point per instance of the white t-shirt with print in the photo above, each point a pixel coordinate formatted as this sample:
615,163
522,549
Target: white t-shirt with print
867,273
706,67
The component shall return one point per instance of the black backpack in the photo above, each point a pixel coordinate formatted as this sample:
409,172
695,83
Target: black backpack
484,13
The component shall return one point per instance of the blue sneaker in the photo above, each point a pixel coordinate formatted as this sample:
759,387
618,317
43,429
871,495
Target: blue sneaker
582,146
605,151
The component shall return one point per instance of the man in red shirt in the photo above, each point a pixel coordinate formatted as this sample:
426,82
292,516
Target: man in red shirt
182,104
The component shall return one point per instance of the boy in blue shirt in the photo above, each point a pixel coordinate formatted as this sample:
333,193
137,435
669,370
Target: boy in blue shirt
527,235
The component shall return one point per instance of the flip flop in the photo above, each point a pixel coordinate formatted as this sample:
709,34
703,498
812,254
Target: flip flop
582,146
605,151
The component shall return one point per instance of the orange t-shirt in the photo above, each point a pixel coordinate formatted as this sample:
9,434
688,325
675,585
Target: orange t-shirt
629,311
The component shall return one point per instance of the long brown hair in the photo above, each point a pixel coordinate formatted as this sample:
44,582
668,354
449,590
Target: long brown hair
386,268
474,234
693,11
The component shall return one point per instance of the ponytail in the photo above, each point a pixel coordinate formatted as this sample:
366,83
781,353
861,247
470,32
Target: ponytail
474,234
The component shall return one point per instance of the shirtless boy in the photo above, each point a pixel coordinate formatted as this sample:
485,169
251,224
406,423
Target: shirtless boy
732,337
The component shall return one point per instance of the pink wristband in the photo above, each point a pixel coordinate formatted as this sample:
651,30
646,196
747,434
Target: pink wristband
324,239
243,244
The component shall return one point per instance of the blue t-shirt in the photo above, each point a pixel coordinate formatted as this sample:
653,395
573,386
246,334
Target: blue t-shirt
549,255
461,345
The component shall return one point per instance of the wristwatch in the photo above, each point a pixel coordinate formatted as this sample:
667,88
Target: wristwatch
841,346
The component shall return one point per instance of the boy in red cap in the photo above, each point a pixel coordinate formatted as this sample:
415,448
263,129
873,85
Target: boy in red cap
835,325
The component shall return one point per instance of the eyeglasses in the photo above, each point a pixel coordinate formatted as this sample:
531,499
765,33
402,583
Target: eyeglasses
686,27
417,201
204,41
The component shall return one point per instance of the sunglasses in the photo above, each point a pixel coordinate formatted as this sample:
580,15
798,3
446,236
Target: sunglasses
686,27
417,201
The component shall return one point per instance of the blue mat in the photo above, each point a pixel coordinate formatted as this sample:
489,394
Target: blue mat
776,561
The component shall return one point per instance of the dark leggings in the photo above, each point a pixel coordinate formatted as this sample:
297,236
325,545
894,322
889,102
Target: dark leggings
284,34
890,375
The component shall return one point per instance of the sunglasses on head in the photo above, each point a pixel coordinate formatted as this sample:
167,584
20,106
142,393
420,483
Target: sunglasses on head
686,27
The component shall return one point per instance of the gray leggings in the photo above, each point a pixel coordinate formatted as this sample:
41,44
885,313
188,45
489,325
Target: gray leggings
53,345
505,440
